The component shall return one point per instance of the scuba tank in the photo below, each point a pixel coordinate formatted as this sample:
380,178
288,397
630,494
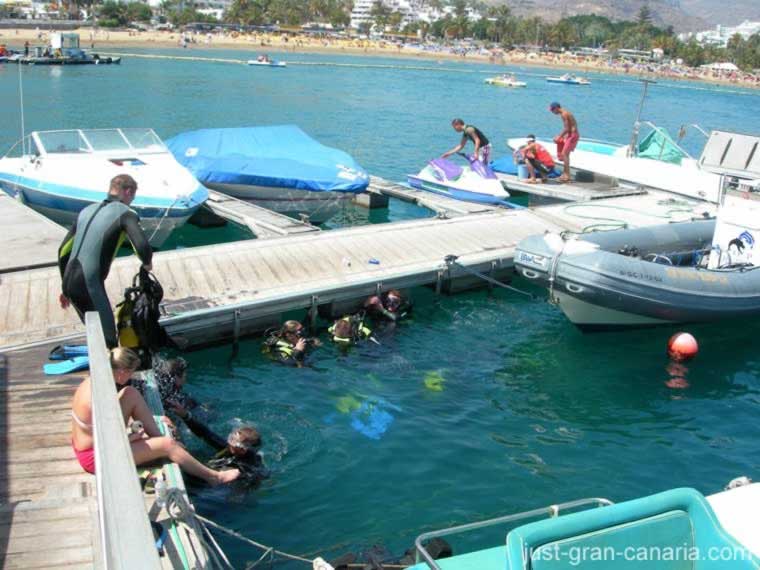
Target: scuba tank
137,317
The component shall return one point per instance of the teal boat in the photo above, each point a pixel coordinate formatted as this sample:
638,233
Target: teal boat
679,529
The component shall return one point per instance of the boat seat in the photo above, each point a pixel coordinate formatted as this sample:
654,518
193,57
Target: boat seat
674,530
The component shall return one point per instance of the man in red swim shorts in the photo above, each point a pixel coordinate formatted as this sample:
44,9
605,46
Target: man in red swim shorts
567,139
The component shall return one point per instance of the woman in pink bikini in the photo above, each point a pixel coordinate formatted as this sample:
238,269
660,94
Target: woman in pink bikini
148,445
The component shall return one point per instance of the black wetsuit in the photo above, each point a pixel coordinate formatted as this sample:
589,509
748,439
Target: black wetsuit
250,464
86,253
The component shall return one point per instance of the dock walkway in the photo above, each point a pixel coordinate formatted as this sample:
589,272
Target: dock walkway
262,222
29,238
48,510
575,191
441,205
214,293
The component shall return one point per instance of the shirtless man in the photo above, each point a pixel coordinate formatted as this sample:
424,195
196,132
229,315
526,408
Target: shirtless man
567,139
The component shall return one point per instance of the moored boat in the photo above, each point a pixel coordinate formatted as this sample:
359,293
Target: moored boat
58,173
266,62
505,80
475,182
569,79
277,167
676,529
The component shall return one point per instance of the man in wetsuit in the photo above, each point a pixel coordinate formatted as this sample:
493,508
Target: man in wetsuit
86,253
567,139
474,134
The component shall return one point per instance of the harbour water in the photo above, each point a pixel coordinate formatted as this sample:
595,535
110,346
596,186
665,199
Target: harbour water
498,404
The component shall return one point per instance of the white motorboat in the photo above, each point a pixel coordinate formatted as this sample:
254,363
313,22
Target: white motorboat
473,183
58,173
267,63
505,80
569,79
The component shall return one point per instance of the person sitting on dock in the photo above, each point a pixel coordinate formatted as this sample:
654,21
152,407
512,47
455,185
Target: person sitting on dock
148,444
567,139
349,330
390,306
239,450
474,134
86,253
537,159
289,345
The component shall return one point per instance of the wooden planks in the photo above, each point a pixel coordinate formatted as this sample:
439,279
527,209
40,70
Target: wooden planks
262,222
47,505
29,239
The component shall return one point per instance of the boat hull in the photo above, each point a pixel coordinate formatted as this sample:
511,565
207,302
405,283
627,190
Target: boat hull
458,193
318,206
597,287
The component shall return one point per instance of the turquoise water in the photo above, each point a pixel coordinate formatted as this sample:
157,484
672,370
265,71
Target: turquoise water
531,411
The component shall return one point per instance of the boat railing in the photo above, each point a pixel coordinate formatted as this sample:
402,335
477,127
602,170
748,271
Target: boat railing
550,511
682,130
663,132
125,537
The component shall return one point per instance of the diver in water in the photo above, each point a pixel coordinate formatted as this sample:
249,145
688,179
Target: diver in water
290,344
350,329
238,451
390,306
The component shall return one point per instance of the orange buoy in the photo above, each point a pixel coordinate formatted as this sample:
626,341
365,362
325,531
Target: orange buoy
682,346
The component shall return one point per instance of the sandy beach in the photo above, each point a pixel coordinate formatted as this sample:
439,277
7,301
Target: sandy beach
103,40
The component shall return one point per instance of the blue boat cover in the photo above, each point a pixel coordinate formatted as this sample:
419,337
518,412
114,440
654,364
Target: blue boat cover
281,156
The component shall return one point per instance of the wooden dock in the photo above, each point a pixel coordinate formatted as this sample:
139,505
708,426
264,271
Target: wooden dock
49,511
29,239
575,191
262,222
214,293
444,207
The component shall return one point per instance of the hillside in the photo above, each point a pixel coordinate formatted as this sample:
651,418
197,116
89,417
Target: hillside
683,15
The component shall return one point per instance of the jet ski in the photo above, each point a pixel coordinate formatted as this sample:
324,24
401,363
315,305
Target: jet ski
475,182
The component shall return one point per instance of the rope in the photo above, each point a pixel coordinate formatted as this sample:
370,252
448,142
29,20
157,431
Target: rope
452,260
161,221
609,224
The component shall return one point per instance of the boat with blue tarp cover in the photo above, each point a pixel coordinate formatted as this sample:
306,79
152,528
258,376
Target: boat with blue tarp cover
678,529
278,167
59,173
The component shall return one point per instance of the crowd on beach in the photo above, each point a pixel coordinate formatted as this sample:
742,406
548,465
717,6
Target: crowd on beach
461,50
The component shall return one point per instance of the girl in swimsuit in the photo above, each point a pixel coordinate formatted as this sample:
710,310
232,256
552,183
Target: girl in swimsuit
148,445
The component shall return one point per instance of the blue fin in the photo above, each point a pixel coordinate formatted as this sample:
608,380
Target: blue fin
65,366
62,352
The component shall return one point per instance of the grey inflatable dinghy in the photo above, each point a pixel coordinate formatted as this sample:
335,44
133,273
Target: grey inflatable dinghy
639,277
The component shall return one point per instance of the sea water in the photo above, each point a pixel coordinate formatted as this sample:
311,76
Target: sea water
488,403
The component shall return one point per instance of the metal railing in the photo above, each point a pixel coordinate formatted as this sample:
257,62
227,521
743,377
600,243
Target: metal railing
126,538
550,511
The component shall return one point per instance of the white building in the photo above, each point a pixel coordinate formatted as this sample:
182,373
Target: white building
412,11
721,34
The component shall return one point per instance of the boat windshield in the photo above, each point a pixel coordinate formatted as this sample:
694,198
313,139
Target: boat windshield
100,140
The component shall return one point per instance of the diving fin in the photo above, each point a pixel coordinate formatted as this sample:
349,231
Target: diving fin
63,352
65,366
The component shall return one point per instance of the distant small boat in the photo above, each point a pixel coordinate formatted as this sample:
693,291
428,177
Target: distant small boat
267,63
569,79
505,80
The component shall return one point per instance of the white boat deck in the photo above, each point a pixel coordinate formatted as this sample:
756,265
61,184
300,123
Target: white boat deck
262,222
29,239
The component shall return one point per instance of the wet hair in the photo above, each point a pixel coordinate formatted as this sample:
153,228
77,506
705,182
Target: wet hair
457,121
124,359
244,437
290,327
122,183
177,366
344,328
531,137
